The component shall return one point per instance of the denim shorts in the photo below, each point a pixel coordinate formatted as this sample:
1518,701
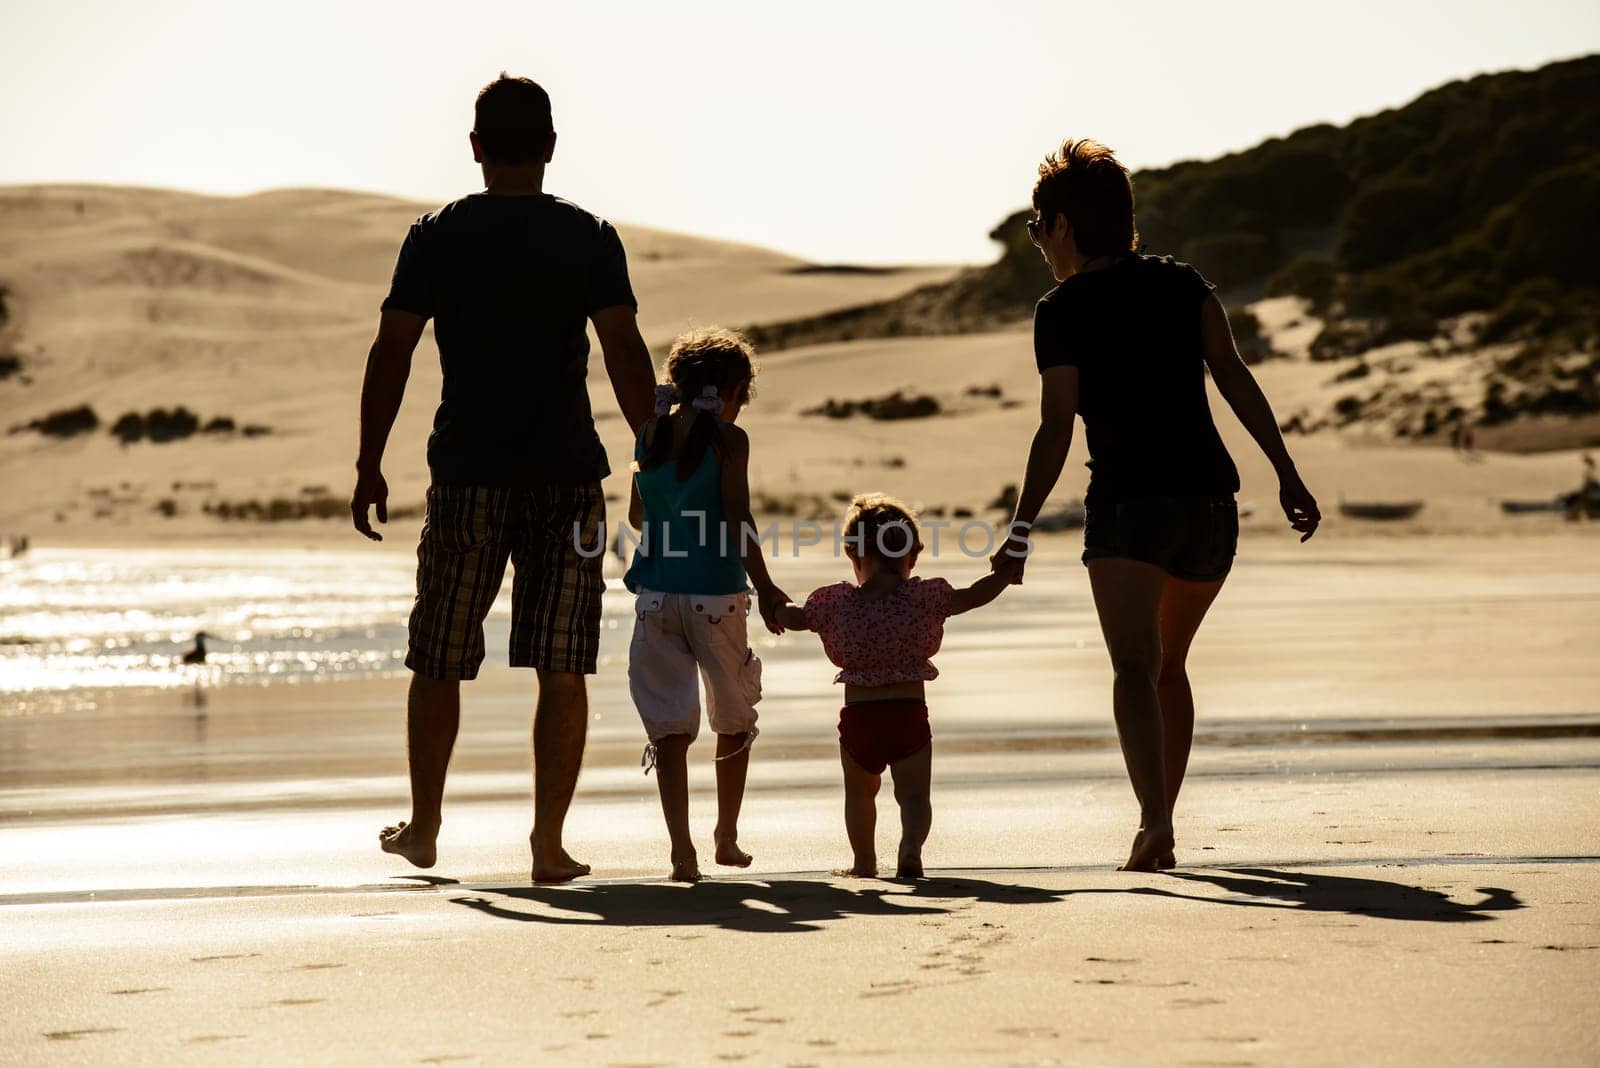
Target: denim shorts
1190,538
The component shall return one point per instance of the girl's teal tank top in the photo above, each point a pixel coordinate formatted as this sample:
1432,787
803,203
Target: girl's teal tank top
687,545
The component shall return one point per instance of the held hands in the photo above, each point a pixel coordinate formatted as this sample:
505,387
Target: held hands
1012,556
1299,506
371,492
770,599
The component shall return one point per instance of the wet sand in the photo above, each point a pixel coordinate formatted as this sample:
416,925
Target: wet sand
1387,842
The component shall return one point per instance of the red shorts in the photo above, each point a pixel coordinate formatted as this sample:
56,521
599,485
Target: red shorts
879,733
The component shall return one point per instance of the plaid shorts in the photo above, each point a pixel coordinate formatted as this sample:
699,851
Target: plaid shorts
469,534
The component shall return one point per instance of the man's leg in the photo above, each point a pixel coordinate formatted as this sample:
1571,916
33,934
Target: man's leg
560,725
433,715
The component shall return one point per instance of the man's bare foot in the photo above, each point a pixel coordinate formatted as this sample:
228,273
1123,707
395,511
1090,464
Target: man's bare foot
686,869
1166,862
909,866
729,855
1149,845
861,869
405,840
557,867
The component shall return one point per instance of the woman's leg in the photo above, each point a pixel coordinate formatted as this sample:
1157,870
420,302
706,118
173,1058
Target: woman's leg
1183,608
672,779
911,792
733,761
1127,597
860,816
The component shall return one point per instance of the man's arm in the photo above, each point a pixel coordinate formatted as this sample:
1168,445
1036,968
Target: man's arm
628,364
1243,394
382,389
1058,406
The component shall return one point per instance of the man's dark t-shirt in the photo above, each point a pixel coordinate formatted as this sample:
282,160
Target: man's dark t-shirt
1133,331
510,282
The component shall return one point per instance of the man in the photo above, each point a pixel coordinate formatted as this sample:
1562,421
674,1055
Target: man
509,276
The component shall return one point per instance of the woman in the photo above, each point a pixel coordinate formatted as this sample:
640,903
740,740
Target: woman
1124,341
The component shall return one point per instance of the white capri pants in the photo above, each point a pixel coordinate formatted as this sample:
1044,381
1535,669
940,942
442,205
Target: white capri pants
681,640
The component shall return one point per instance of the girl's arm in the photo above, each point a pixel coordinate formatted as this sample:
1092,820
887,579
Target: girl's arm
979,593
635,505
742,526
1243,394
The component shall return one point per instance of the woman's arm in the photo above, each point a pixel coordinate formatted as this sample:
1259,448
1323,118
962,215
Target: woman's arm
791,616
742,526
1243,394
1058,406
979,593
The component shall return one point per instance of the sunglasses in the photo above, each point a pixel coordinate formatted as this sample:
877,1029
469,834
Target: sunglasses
1036,231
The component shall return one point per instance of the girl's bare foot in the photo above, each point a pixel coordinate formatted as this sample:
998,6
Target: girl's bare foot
686,869
909,866
1166,862
556,867
729,855
863,868
1149,845
405,840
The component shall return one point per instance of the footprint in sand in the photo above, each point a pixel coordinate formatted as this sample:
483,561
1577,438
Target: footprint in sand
1028,1032
579,1014
737,1034
445,1058
223,956
314,967
206,1040
81,1032
299,1001
661,998
139,990
1195,1003
1113,960
785,1019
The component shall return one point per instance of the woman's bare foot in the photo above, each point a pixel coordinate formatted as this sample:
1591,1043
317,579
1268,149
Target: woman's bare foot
1149,845
557,867
686,868
405,840
728,854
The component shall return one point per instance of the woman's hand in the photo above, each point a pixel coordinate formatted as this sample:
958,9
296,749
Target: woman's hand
1299,506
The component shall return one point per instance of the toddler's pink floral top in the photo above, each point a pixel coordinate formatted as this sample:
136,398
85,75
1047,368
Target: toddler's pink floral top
887,640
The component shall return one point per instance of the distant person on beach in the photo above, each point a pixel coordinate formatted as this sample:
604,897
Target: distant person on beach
1125,341
692,505
511,277
882,631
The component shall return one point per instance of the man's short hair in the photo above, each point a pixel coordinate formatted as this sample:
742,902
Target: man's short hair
1085,182
512,120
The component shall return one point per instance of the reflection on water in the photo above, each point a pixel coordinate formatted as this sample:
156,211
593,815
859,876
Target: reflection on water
112,618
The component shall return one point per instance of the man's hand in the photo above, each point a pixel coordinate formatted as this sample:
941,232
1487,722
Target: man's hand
770,600
371,492
1299,506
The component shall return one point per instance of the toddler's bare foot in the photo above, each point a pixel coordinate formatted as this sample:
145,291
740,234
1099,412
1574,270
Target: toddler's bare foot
556,866
1166,862
729,855
863,868
1148,847
686,869
406,840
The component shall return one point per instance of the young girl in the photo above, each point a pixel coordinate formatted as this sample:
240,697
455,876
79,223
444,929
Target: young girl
691,503
881,631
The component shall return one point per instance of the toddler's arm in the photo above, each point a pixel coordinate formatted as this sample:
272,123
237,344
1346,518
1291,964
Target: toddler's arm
791,616
979,593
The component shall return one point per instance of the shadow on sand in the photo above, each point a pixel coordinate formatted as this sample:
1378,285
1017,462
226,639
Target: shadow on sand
779,905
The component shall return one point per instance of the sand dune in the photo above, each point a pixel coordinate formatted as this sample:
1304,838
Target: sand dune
260,309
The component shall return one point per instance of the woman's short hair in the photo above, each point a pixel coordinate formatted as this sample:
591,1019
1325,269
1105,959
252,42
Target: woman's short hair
1084,181
879,525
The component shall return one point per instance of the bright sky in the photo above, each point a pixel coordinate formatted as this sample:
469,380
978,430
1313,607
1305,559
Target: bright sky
864,131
